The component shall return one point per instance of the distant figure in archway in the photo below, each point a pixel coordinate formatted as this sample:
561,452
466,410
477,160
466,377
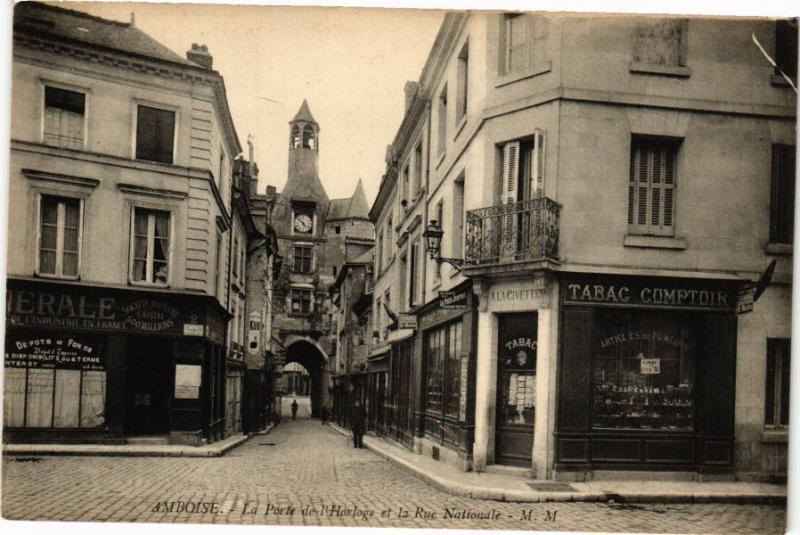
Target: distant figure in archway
358,419
294,409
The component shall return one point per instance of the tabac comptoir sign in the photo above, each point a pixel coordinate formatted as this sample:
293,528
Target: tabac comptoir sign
646,293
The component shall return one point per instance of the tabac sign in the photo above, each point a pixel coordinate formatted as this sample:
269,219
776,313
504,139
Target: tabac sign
648,292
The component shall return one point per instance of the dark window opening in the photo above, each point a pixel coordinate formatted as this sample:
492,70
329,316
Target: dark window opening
155,134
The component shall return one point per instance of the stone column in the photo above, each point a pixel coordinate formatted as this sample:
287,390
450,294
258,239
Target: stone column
485,390
546,365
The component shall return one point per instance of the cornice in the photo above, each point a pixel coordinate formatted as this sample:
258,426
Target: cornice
151,192
33,174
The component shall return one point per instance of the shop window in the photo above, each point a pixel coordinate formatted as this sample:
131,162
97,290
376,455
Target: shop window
786,47
59,236
303,255
155,134
776,407
444,370
301,299
53,382
661,42
64,114
643,371
462,75
651,187
782,194
150,246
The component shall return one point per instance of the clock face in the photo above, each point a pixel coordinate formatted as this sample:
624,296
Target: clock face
302,223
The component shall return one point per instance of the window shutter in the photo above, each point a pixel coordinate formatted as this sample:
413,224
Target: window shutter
510,172
669,186
538,167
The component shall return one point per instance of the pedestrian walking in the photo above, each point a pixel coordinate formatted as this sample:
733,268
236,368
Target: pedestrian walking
325,415
294,409
358,419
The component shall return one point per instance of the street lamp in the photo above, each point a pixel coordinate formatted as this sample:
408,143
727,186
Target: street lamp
433,243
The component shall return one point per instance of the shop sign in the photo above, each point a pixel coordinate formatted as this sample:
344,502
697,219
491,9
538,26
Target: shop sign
111,311
254,332
650,366
45,351
406,321
745,299
188,378
526,295
666,293
453,300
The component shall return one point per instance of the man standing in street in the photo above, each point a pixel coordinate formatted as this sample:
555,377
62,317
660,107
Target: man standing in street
358,419
294,409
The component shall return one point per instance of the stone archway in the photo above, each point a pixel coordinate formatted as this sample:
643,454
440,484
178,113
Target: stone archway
311,356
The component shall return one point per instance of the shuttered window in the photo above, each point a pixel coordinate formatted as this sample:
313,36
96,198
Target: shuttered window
651,189
64,113
782,194
155,134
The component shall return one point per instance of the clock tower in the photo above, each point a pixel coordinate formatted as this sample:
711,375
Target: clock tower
315,236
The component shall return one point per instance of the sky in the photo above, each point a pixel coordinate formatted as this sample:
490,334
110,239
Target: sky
350,64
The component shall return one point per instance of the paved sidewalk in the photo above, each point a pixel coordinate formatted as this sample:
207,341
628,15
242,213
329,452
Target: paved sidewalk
489,486
216,449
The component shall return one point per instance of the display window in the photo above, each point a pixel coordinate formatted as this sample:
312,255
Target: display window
643,371
54,381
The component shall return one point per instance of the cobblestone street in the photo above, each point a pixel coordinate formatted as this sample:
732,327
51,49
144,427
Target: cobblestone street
305,474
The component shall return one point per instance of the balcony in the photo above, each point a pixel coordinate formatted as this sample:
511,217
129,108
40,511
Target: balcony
521,236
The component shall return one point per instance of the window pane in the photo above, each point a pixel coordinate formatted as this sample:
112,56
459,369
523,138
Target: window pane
162,225
49,210
40,398
68,386
160,272
70,264
139,270
47,262
140,222
71,240
161,252
140,247
49,233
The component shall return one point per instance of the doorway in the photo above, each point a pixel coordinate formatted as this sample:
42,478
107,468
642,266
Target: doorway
516,389
149,377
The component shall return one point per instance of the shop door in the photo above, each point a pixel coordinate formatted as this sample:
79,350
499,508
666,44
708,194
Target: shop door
150,373
516,389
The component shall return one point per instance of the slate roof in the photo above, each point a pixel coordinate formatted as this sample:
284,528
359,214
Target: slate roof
304,114
354,207
51,21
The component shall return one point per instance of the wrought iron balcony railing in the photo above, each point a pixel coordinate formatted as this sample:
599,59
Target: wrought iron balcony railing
525,231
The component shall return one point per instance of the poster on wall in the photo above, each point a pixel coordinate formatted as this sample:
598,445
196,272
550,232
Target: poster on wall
188,378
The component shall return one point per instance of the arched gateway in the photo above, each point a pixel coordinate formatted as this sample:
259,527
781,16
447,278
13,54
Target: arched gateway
311,356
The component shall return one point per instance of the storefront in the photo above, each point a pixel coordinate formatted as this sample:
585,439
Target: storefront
399,404
446,397
87,364
646,374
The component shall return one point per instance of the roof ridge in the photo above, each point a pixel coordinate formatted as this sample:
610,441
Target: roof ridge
74,12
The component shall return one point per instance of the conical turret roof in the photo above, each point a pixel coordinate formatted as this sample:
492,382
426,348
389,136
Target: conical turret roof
358,209
304,114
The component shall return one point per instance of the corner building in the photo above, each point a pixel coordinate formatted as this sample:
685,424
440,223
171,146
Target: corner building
121,235
613,187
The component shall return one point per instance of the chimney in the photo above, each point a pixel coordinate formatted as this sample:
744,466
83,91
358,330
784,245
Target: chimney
199,54
411,89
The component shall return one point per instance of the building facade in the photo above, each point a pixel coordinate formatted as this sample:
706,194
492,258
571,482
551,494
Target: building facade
608,191
119,300
315,233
